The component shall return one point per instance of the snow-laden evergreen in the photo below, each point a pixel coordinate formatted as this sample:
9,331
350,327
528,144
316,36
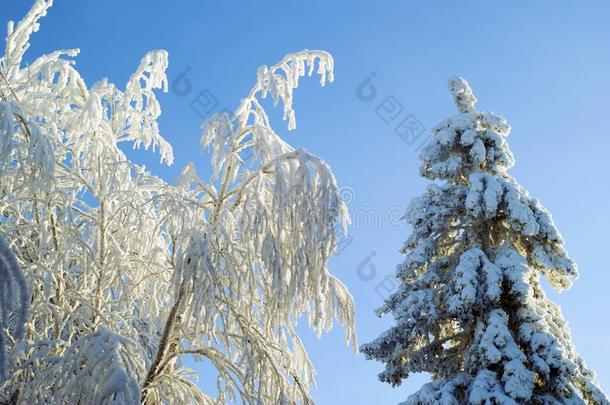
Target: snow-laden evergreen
125,273
470,309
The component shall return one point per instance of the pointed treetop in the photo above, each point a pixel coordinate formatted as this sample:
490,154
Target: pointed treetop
462,94
469,142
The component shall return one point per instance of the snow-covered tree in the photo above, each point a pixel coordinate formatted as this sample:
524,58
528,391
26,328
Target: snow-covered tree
470,309
126,274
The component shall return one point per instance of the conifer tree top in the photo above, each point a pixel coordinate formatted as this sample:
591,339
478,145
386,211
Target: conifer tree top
462,94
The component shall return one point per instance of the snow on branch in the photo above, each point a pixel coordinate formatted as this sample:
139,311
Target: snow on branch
141,119
257,261
14,303
462,94
102,368
280,80
17,40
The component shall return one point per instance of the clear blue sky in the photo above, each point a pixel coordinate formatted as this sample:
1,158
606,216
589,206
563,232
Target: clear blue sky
544,66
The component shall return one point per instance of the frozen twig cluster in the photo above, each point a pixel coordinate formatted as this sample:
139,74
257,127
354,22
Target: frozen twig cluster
14,303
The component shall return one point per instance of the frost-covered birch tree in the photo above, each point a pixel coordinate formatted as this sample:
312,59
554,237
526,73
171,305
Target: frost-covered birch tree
125,274
470,309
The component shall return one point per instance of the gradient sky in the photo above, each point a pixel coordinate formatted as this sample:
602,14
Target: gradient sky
544,66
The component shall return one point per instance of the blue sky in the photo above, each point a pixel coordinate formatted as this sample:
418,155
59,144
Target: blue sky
544,66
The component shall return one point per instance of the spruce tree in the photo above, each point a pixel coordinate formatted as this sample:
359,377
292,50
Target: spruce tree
470,309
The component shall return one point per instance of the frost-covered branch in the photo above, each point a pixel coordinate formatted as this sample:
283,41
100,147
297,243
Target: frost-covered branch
14,303
249,267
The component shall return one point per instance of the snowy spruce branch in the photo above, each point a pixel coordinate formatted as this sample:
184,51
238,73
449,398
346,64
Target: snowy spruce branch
126,274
